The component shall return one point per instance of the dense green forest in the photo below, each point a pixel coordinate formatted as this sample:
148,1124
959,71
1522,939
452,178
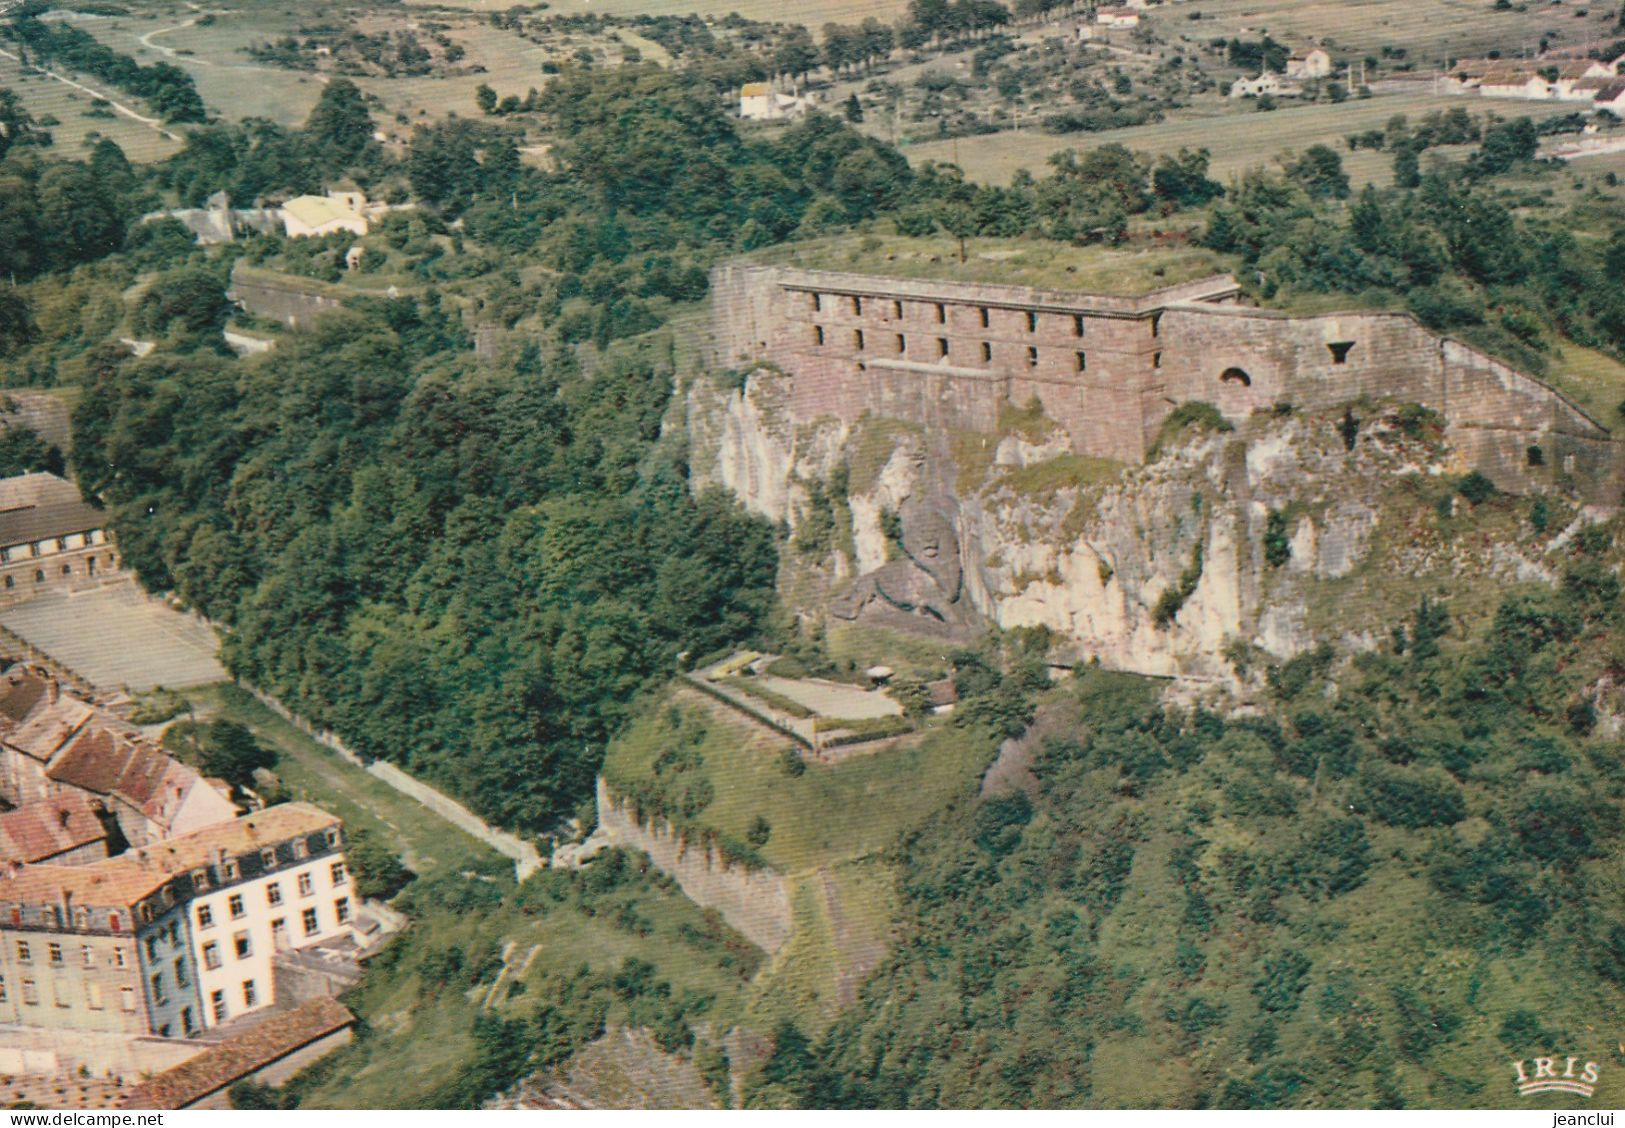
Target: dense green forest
471,566
1374,891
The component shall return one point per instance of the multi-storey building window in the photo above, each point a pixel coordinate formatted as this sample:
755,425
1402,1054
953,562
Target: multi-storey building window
93,995
243,945
273,893
339,876
268,859
181,978
24,954
217,1005
306,887
59,994
228,871
1083,362
53,953
205,916
158,995
235,906
250,995
3,995
1077,324
1032,322
88,955
187,1024
127,998
30,993
341,910
279,932
308,919
211,955
118,957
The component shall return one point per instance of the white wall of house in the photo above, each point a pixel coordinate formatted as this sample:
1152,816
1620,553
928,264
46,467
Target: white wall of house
237,929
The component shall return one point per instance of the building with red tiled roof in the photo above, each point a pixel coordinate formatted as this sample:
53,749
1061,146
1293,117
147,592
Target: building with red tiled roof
268,1053
176,936
53,744
68,830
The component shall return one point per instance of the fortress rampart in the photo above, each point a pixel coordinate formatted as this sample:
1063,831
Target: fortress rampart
1109,369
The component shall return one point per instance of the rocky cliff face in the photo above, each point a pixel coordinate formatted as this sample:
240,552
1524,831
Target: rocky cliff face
1227,549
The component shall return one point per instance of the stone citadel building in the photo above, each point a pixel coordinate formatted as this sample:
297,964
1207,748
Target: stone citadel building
1109,369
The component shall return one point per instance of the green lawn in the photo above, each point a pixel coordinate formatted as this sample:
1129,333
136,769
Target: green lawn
428,842
1237,136
831,812
1016,262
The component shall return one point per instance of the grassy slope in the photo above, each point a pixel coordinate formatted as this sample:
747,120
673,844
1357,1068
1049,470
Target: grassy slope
830,813
42,96
1237,140
1018,262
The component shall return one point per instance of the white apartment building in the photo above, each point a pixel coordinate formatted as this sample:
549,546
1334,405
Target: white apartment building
263,884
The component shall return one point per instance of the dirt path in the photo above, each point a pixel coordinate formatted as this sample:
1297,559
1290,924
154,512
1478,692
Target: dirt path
150,123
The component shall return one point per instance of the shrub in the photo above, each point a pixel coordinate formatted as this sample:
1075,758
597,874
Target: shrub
1411,798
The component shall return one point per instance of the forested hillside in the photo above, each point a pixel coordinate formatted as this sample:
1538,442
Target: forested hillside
471,566
1381,888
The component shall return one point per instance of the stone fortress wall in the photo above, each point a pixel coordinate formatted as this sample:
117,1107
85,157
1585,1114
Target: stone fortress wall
754,902
1109,369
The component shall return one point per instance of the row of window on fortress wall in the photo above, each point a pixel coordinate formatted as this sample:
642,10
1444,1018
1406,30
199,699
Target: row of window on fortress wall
937,313
943,349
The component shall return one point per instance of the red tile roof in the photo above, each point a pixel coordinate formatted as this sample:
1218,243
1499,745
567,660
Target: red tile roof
42,830
237,1057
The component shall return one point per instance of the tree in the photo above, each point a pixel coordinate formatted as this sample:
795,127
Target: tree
1407,169
23,451
1505,145
485,98
339,129
378,872
795,54
1183,180
854,110
1319,172
230,752
17,326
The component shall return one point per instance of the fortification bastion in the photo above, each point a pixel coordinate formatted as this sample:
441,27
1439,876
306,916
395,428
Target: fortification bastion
1109,369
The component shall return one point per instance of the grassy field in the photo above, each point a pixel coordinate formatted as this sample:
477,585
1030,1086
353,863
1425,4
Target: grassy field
1430,31
815,14
1015,262
74,133
235,86
312,772
829,814
1237,140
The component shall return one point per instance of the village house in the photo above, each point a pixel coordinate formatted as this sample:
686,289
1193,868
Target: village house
267,883
172,938
68,830
98,947
1611,98
1315,62
50,537
305,216
54,746
759,101
1267,83
1117,17
268,1053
